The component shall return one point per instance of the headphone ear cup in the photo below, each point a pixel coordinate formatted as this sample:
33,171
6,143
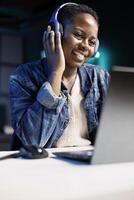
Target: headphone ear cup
96,47
53,27
52,24
61,29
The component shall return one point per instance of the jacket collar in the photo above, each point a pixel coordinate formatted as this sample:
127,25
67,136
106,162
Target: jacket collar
85,75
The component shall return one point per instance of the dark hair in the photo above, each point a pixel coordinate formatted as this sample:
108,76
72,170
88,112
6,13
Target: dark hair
69,11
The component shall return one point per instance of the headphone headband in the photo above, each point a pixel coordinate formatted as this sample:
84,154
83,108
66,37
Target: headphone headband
55,15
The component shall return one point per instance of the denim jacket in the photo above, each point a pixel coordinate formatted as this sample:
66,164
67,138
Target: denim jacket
38,116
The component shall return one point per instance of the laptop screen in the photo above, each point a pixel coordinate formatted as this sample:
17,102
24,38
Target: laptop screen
115,136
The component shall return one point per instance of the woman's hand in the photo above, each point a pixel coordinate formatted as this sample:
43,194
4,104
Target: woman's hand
55,58
54,51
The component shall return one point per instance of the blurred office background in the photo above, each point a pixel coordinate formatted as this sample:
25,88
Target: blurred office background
22,23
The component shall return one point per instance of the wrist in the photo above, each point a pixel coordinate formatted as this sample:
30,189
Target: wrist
56,75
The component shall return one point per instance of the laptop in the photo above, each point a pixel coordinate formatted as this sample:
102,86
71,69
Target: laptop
115,135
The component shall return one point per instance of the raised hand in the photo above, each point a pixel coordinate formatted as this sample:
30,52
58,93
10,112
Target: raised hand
53,50
55,58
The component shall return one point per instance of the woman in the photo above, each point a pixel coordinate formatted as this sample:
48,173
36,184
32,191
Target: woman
57,101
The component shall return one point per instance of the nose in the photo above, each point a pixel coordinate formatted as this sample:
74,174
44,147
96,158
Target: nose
84,45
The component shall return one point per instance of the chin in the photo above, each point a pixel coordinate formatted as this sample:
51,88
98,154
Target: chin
75,64
78,64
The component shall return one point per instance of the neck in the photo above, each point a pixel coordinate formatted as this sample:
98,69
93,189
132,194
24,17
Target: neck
69,78
69,73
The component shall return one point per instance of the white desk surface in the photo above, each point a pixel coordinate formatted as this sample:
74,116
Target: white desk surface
56,179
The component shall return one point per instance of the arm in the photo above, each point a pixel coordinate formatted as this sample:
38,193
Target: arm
28,109
31,110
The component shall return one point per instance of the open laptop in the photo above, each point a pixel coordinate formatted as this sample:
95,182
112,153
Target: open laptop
115,136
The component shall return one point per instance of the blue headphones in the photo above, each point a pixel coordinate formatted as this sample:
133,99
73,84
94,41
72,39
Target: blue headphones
57,27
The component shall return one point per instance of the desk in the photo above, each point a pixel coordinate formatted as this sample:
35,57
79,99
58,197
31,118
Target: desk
58,179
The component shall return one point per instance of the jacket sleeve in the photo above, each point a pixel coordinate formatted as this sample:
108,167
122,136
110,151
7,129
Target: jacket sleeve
28,108
103,84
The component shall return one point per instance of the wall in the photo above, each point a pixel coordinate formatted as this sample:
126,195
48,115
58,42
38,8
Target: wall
11,54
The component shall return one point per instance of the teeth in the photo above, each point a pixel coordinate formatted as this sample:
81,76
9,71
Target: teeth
79,56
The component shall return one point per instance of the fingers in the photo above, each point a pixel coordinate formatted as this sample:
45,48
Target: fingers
58,45
48,40
44,43
51,38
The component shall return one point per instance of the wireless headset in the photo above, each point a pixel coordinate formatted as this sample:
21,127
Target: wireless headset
57,27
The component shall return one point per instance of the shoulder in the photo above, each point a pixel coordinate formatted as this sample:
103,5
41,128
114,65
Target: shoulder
94,75
94,69
29,71
95,72
29,67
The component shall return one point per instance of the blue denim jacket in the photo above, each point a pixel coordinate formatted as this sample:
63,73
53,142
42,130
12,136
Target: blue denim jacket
38,116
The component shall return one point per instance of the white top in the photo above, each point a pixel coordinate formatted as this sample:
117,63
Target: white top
76,133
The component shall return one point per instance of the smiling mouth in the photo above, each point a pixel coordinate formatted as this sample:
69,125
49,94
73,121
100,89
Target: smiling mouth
80,57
